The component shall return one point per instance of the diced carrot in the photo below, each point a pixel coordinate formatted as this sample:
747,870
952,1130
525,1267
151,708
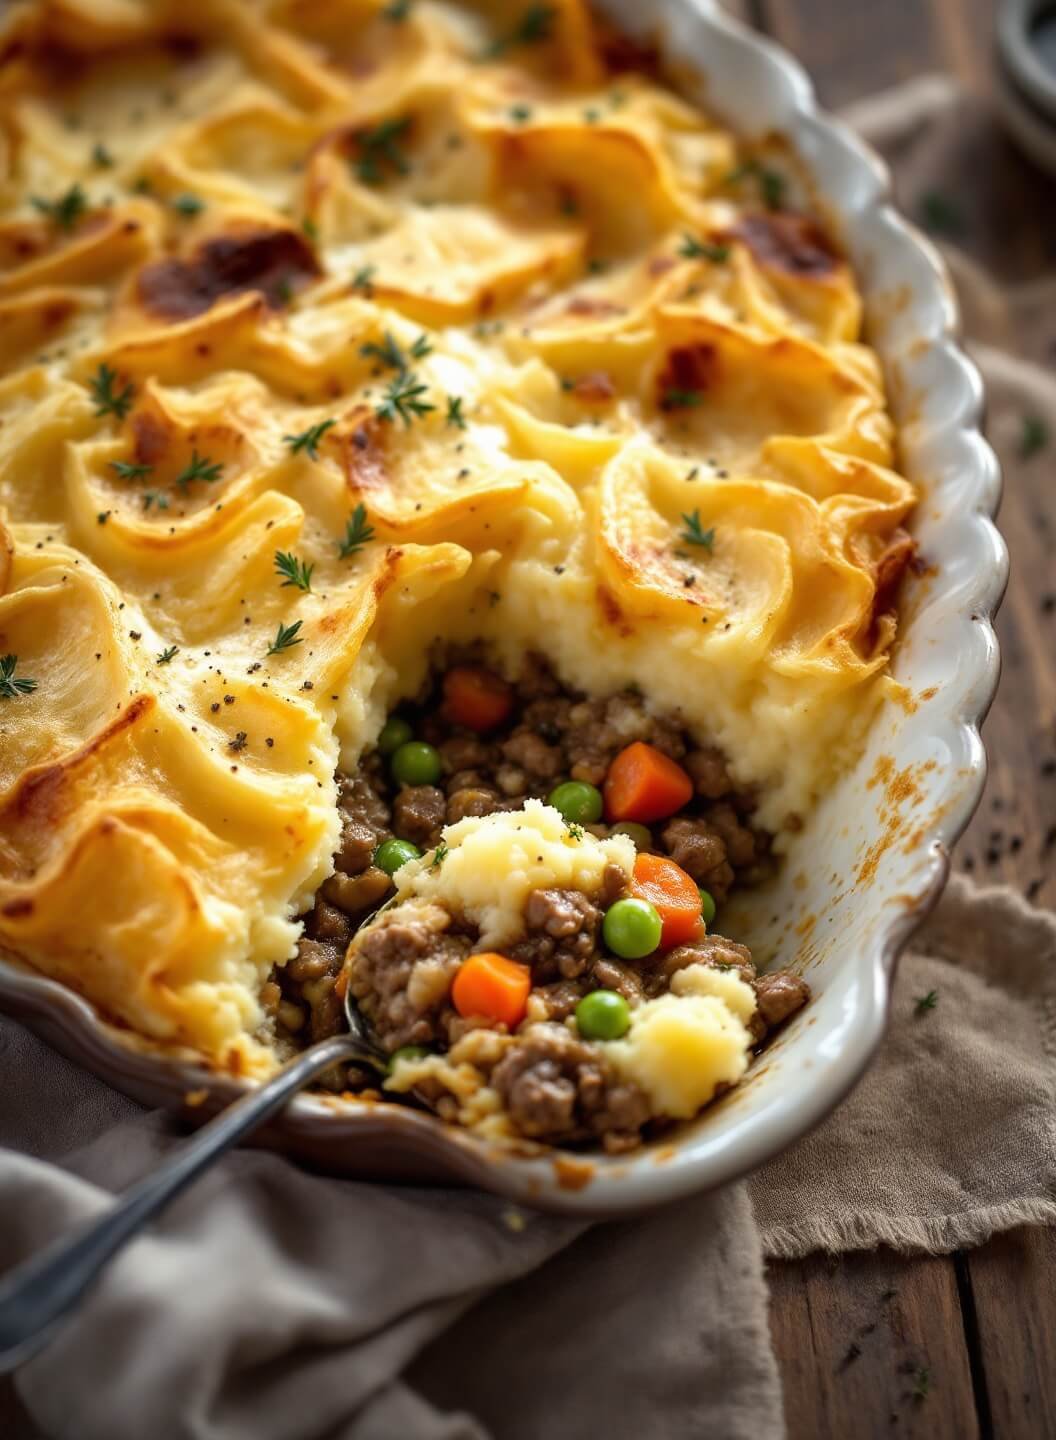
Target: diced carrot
644,784
492,986
476,698
675,895
341,984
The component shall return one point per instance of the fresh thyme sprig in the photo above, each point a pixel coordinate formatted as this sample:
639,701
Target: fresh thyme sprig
357,533
12,686
676,399
389,355
694,535
297,572
199,467
363,280
694,249
1034,436
285,638
927,1002
188,205
534,26
108,399
380,147
403,398
155,498
439,856
575,831
66,210
921,1384
166,655
101,156
941,214
308,440
130,472
771,183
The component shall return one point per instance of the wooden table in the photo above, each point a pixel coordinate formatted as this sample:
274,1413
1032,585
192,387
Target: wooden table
964,1345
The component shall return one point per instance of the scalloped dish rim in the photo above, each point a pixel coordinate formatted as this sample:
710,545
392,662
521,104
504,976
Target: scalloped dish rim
371,1139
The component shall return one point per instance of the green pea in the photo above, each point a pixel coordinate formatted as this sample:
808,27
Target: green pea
707,906
632,929
406,1052
394,733
579,803
603,1015
416,763
640,835
391,854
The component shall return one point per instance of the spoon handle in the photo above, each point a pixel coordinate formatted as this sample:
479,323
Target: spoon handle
35,1295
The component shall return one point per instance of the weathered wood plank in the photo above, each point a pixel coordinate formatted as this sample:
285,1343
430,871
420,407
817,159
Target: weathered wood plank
1013,1284
872,1346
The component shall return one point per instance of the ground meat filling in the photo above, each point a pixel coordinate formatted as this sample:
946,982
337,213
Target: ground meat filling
555,1086
403,974
561,934
419,814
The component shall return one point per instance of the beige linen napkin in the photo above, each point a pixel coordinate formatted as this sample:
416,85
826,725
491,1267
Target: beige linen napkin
951,1136
270,1303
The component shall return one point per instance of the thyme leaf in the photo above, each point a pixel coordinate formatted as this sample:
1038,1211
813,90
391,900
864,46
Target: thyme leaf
188,205
1034,437
357,533
66,210
12,686
534,27
130,472
379,148
199,467
285,638
297,572
108,399
770,182
308,440
694,249
693,534
403,398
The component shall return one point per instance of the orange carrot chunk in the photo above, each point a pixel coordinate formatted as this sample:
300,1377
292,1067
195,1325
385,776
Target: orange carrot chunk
476,698
675,896
644,784
493,987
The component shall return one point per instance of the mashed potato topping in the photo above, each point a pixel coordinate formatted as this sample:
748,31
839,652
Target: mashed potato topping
681,1046
492,863
331,330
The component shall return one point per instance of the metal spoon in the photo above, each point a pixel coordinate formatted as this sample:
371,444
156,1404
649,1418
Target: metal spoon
35,1295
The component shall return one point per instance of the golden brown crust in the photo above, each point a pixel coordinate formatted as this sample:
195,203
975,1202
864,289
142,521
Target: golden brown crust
643,413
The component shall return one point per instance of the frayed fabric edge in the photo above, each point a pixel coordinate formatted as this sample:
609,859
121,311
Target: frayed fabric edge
909,1234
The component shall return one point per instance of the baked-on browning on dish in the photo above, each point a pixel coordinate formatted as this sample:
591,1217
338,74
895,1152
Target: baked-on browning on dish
337,337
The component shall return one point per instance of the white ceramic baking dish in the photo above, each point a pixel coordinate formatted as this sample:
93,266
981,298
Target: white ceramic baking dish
874,856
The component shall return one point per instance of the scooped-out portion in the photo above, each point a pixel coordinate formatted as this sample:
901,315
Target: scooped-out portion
523,906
